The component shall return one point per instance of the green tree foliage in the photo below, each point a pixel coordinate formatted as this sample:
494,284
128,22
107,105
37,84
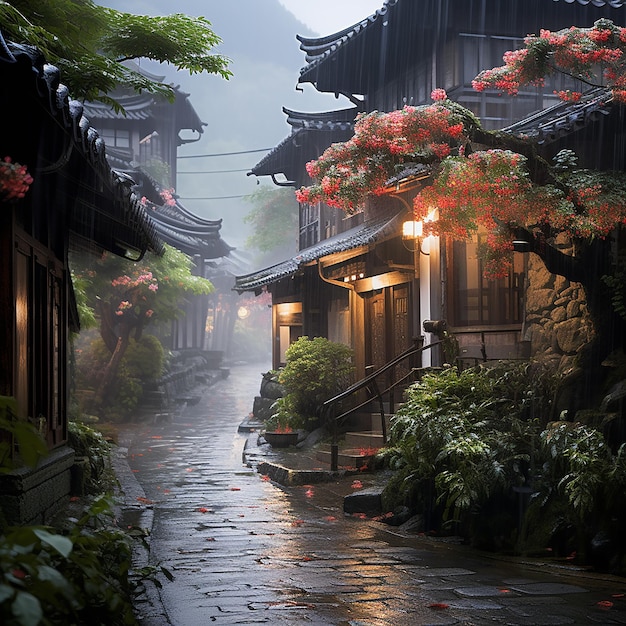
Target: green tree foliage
89,43
274,220
127,297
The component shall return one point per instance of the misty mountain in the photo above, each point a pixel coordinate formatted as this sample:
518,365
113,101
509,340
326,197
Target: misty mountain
243,113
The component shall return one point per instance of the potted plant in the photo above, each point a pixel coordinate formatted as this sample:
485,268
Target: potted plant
279,432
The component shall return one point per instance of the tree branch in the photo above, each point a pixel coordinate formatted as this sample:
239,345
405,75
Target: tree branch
570,267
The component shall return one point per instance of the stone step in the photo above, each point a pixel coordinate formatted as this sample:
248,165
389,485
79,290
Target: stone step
354,458
366,440
366,422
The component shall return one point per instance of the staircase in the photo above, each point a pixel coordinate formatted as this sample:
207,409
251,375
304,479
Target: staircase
363,439
359,443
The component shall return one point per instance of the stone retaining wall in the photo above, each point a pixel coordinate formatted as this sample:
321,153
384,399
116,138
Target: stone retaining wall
557,322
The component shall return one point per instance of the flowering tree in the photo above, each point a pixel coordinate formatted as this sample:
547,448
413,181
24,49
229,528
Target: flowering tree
383,143
127,297
507,188
593,55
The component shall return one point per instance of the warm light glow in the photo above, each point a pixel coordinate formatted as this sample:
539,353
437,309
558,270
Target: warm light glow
243,312
412,229
289,307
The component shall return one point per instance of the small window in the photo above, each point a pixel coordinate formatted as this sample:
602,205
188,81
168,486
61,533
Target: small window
116,137
476,301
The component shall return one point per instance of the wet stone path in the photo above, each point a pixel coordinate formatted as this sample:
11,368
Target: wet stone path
246,551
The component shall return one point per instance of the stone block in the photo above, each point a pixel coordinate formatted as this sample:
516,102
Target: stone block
364,501
33,496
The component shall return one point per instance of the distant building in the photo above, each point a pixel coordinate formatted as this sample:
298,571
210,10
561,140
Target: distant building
142,142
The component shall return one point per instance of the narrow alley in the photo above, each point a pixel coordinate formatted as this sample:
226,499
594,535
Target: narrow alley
244,550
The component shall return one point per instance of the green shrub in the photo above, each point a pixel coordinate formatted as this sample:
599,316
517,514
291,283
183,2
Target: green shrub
90,444
315,370
467,446
466,438
81,577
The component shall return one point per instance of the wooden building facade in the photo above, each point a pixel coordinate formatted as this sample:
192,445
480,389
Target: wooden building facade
359,284
75,201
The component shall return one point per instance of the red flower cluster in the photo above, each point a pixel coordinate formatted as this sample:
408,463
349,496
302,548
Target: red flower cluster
348,172
493,191
577,52
14,180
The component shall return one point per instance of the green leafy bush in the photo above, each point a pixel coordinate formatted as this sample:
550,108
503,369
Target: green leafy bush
464,438
20,441
474,450
88,443
315,370
82,577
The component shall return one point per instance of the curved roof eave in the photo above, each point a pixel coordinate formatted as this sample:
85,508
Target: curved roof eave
363,235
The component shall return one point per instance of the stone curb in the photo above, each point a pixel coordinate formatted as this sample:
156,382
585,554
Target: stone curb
288,477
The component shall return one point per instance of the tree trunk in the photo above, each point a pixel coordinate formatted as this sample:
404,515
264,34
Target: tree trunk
110,371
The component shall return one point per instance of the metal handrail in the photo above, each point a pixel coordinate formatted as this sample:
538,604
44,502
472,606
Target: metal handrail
371,385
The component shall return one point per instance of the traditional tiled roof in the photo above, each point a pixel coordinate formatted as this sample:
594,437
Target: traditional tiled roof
176,225
367,233
291,153
318,49
144,106
563,118
104,213
367,33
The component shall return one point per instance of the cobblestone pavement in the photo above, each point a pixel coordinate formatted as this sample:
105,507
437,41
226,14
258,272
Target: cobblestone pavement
244,550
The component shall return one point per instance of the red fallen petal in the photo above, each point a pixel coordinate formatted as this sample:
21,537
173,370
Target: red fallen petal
297,522
309,493
135,471
359,515
18,573
210,538
265,477
330,518
605,604
307,558
235,488
156,437
438,605
357,484
144,500
74,499
505,591
203,509
189,469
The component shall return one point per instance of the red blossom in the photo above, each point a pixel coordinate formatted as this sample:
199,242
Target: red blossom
346,173
14,180
573,51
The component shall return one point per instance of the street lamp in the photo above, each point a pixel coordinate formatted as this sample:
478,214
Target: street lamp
412,232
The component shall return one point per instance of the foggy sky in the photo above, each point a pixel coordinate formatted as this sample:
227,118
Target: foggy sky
245,112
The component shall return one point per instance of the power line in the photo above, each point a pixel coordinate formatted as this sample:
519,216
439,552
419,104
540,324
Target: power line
219,154
213,197
245,169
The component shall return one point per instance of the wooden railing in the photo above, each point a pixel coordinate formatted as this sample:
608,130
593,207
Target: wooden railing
370,388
